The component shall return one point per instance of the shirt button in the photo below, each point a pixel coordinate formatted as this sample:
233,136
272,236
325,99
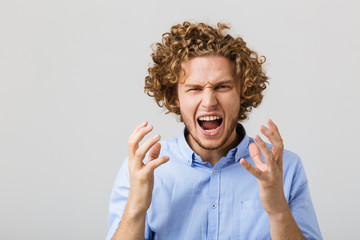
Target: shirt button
213,205
237,155
216,172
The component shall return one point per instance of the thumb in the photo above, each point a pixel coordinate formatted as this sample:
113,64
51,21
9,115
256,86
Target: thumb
154,152
255,154
154,160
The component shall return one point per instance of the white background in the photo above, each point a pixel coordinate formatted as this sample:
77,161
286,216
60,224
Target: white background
71,91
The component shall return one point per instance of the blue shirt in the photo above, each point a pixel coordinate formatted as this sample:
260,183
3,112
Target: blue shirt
193,200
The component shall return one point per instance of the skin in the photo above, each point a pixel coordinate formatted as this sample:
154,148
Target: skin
270,181
132,225
209,89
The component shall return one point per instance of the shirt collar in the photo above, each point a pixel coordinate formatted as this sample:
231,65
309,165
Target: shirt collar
240,151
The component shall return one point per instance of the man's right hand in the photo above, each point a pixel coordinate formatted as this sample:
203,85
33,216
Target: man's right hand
132,225
142,175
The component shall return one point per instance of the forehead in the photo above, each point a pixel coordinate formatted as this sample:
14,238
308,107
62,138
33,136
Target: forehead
208,69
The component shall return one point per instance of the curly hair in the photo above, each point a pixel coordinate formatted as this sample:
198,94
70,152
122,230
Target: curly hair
190,40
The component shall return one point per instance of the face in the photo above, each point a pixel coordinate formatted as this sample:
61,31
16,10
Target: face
209,101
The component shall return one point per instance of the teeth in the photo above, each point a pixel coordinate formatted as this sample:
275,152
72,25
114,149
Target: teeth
209,118
211,130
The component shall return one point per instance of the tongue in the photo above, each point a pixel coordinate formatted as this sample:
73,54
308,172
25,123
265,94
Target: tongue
208,125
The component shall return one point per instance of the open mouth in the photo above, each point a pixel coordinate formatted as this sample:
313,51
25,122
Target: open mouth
210,123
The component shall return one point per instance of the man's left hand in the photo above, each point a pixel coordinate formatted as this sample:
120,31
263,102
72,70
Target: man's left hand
270,173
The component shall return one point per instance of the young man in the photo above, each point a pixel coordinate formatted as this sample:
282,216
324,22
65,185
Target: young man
213,181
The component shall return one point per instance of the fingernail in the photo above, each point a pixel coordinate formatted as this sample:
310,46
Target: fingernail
148,127
257,138
156,137
271,121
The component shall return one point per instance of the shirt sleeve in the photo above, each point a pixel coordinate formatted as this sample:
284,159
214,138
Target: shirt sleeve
301,205
118,199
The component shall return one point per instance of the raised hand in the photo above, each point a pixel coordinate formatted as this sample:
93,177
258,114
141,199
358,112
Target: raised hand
270,173
142,175
132,225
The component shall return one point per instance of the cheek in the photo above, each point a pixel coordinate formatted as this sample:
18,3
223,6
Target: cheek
233,103
187,109
188,104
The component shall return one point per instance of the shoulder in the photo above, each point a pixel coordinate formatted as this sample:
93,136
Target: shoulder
295,179
169,144
291,158
292,162
292,165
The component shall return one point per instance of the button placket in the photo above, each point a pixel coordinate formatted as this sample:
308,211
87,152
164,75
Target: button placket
213,221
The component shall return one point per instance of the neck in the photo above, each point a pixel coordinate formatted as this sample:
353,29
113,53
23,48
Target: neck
214,156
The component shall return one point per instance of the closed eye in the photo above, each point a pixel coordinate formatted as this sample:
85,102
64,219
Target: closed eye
223,87
194,89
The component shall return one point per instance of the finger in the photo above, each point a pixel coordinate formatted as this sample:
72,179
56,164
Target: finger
144,148
154,152
141,132
138,134
143,124
273,127
153,164
270,134
255,155
265,150
274,139
251,169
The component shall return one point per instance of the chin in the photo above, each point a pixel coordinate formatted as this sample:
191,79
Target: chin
209,144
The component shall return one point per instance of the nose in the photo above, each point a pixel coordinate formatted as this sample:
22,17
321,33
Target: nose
209,100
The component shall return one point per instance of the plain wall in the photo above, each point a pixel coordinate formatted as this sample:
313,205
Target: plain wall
71,92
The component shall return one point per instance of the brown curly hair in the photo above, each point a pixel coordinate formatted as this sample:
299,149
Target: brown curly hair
190,40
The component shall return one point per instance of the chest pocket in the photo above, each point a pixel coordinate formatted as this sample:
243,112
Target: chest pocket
254,221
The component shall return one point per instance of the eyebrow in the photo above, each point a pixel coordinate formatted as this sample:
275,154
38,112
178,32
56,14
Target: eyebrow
216,84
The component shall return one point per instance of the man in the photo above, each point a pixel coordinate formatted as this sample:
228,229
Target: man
213,181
